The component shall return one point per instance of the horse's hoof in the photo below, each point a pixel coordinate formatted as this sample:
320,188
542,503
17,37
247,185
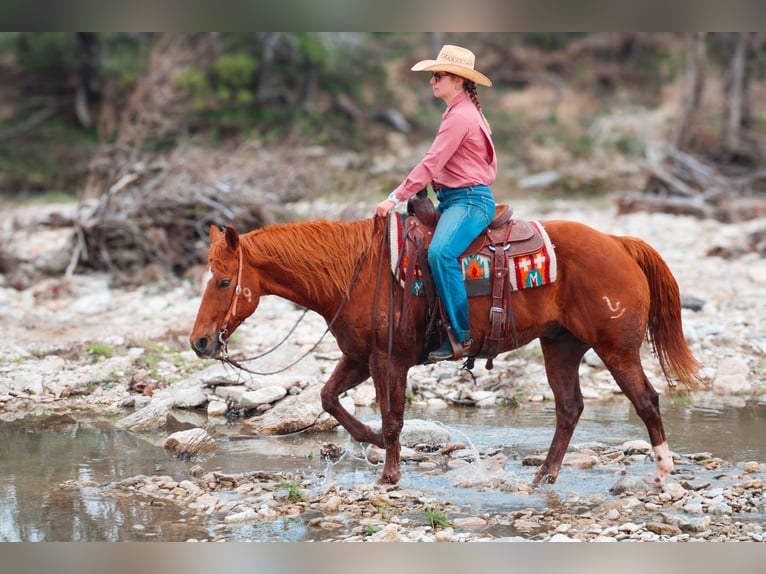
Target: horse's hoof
543,479
388,479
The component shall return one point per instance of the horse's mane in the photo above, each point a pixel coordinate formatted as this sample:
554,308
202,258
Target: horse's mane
321,254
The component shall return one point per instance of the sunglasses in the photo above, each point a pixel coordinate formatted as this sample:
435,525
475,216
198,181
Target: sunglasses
439,75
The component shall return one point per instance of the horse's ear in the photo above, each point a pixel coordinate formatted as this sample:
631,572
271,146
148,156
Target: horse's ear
232,238
215,233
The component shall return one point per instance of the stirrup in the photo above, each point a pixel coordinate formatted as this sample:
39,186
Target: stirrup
450,352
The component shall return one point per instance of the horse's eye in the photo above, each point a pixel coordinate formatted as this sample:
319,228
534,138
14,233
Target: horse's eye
223,284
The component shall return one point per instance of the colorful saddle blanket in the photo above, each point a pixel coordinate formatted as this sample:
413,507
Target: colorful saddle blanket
531,256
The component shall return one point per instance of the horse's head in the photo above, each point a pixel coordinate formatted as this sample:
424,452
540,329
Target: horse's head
229,298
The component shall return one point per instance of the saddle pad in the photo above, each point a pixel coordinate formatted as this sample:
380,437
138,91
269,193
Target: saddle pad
525,271
536,269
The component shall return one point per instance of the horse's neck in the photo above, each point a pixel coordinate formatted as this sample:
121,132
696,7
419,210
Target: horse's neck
316,277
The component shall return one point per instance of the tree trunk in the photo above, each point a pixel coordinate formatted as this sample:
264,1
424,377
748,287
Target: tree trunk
88,91
734,98
696,57
270,41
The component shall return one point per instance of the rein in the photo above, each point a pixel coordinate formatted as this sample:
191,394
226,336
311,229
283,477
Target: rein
224,355
389,349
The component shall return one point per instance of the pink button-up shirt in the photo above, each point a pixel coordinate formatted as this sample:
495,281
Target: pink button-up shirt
461,155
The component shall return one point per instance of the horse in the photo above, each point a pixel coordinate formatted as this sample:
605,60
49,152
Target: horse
611,292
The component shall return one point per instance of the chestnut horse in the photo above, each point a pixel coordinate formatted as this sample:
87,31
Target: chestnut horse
610,292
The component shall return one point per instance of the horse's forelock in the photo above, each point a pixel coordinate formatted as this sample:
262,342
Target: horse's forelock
219,253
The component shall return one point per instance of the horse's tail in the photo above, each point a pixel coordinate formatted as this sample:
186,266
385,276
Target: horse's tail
664,326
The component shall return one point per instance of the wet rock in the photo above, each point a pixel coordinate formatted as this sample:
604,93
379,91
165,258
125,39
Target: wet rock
296,413
231,392
364,395
390,533
377,455
699,524
662,528
636,447
579,460
216,408
248,515
152,417
675,491
265,395
187,396
732,376
562,538
469,522
190,443
629,484
417,431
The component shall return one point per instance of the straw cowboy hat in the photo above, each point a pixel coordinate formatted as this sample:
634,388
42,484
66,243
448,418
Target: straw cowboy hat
455,60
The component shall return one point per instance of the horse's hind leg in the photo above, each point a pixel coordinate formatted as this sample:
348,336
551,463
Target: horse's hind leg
625,367
562,356
347,375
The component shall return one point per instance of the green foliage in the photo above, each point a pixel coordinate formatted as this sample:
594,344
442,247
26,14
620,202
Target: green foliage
99,350
194,83
371,529
629,145
436,518
50,56
233,77
124,56
294,493
581,146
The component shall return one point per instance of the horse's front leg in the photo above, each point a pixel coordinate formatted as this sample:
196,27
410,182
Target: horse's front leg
347,375
390,380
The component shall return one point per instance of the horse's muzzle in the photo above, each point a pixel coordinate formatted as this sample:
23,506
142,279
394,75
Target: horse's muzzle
206,347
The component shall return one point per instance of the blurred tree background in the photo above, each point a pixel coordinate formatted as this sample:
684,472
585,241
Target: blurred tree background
76,107
161,135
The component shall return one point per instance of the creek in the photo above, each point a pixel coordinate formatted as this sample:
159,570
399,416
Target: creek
55,471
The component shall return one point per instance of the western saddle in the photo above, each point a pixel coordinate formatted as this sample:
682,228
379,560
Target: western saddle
504,237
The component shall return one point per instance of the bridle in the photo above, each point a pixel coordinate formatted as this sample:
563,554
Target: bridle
232,312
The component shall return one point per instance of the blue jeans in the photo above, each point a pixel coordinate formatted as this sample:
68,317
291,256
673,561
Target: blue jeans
465,213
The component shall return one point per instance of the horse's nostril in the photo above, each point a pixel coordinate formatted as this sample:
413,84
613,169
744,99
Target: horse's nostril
200,345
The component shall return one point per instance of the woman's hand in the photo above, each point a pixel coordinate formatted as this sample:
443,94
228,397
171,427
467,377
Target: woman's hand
384,207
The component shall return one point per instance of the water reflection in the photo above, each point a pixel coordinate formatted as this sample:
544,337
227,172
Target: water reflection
51,480
53,473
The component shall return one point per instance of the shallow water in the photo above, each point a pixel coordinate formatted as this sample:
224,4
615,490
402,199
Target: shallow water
40,461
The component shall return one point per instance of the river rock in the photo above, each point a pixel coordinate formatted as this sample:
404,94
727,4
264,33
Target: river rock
469,522
732,376
296,413
231,392
263,396
364,395
190,443
188,397
418,431
216,408
390,533
636,447
628,484
153,416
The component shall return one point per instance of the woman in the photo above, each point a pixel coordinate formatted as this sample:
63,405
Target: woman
460,166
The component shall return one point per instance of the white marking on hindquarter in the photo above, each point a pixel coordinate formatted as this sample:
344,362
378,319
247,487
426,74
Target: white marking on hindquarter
617,309
664,461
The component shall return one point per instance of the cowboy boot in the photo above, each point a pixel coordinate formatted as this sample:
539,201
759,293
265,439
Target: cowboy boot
451,349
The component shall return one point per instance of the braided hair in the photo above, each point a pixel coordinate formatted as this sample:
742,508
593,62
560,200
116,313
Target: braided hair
470,88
